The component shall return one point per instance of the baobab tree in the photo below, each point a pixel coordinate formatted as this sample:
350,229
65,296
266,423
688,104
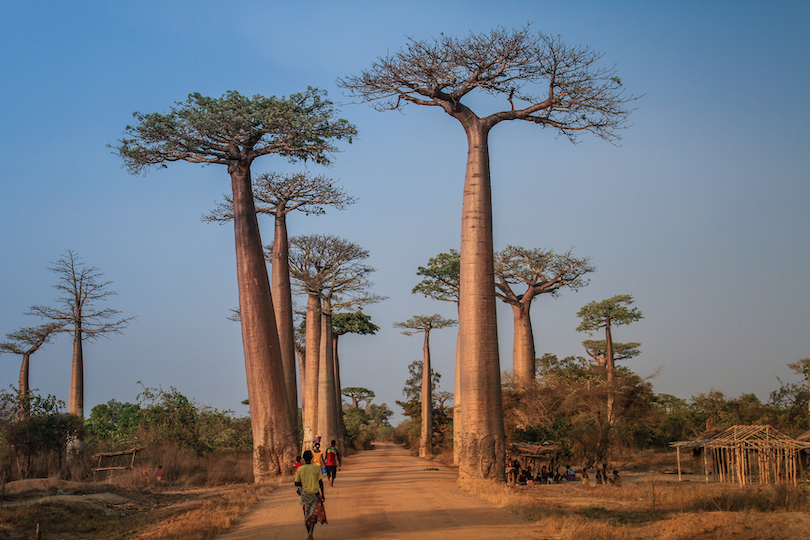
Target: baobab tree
615,311
358,394
441,282
342,324
540,80
78,314
330,272
597,349
278,195
416,325
234,131
536,271
25,342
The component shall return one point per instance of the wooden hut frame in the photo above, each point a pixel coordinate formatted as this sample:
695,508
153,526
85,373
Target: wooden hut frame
102,455
749,454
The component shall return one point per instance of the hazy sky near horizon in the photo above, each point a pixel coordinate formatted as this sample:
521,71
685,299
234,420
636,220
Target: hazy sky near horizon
701,212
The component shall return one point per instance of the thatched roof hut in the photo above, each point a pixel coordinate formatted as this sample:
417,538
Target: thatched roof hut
746,454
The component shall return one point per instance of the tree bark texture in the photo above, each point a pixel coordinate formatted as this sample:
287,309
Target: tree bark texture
457,411
523,355
275,444
426,443
341,431
25,386
313,358
327,403
282,303
611,372
76,402
483,441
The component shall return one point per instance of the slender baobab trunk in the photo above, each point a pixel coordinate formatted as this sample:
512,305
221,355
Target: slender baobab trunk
611,373
327,403
523,356
483,440
426,445
282,303
341,430
313,358
274,438
25,398
76,402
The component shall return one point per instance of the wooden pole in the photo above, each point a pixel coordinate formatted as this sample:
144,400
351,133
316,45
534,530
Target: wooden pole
678,449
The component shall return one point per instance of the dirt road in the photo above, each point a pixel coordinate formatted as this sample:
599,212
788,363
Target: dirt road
384,494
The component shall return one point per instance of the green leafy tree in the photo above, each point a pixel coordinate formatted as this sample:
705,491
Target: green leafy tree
536,272
537,79
39,437
114,421
25,342
77,313
358,394
234,131
423,324
615,311
803,367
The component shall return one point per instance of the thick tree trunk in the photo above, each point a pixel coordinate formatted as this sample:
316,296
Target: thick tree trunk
313,358
523,355
426,443
457,411
76,402
483,440
25,402
275,444
282,303
327,404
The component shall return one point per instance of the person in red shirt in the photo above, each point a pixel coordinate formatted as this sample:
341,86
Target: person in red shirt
332,462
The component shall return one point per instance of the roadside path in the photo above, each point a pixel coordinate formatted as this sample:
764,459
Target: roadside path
386,493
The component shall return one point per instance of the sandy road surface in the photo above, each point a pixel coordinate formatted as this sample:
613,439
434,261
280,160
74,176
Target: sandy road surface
384,494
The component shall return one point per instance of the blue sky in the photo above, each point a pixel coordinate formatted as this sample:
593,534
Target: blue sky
700,213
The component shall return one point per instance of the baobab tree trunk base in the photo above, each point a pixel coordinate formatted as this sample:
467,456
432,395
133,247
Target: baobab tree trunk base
482,457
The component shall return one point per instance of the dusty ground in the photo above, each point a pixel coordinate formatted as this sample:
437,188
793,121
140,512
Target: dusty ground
386,494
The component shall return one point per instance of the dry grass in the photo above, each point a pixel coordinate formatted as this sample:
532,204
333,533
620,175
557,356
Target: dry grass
205,520
654,509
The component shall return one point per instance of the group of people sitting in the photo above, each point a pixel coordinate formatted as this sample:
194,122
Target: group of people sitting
517,475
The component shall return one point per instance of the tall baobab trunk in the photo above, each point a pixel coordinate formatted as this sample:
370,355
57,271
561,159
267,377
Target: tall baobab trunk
313,358
611,375
76,402
523,356
275,444
25,397
483,439
426,443
282,303
327,403
302,370
338,396
457,401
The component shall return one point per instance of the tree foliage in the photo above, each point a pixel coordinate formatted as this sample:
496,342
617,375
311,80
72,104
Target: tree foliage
235,127
441,280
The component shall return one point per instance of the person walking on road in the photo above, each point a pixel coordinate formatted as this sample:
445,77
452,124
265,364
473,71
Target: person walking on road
310,488
332,462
